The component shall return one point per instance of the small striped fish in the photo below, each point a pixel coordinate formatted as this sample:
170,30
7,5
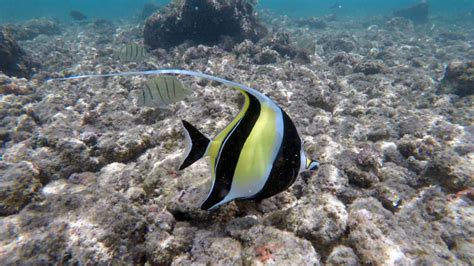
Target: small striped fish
161,91
132,52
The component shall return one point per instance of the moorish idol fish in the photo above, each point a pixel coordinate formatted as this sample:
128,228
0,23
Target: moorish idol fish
76,15
257,155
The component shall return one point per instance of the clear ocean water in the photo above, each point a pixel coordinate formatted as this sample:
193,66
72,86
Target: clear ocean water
17,10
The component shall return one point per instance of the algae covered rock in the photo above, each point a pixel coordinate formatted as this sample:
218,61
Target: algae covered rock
74,224
13,59
400,24
458,78
342,255
210,248
165,247
452,171
321,219
370,67
312,22
32,28
340,43
270,245
283,45
19,184
458,225
202,22
378,236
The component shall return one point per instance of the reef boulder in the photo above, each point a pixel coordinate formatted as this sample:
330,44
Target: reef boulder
311,22
458,78
202,22
20,183
417,13
32,28
13,59
148,10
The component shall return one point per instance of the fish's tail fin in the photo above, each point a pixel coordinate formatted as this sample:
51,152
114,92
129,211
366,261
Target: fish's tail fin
196,145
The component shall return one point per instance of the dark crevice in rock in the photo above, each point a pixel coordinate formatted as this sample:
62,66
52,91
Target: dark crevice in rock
181,216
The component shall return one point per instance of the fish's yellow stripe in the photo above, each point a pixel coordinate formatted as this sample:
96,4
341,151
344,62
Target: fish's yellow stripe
257,153
217,142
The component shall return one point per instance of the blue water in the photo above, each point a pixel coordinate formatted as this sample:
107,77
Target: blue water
17,10
361,7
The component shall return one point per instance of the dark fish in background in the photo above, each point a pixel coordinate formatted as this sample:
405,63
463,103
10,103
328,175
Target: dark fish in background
132,53
336,6
417,13
76,15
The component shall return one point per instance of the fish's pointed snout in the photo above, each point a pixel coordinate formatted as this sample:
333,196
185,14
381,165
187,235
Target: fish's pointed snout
313,166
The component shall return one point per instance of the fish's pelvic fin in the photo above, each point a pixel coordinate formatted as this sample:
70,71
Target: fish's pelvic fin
196,145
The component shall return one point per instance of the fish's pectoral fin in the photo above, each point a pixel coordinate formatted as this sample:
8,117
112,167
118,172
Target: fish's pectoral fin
196,145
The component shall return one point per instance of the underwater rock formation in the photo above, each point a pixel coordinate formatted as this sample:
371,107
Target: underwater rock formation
458,78
338,43
312,22
77,15
452,171
32,28
370,67
148,10
282,44
87,177
13,59
202,22
400,24
20,182
417,13
73,225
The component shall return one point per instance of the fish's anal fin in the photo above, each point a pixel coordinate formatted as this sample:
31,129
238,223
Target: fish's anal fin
196,145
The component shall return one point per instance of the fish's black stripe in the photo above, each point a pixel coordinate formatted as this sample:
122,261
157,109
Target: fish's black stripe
230,152
158,89
167,89
149,91
136,51
286,166
127,49
174,88
143,93
129,53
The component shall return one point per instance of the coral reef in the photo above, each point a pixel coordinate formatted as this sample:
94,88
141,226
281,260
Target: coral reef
14,61
459,78
31,29
312,22
87,177
202,22
148,10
